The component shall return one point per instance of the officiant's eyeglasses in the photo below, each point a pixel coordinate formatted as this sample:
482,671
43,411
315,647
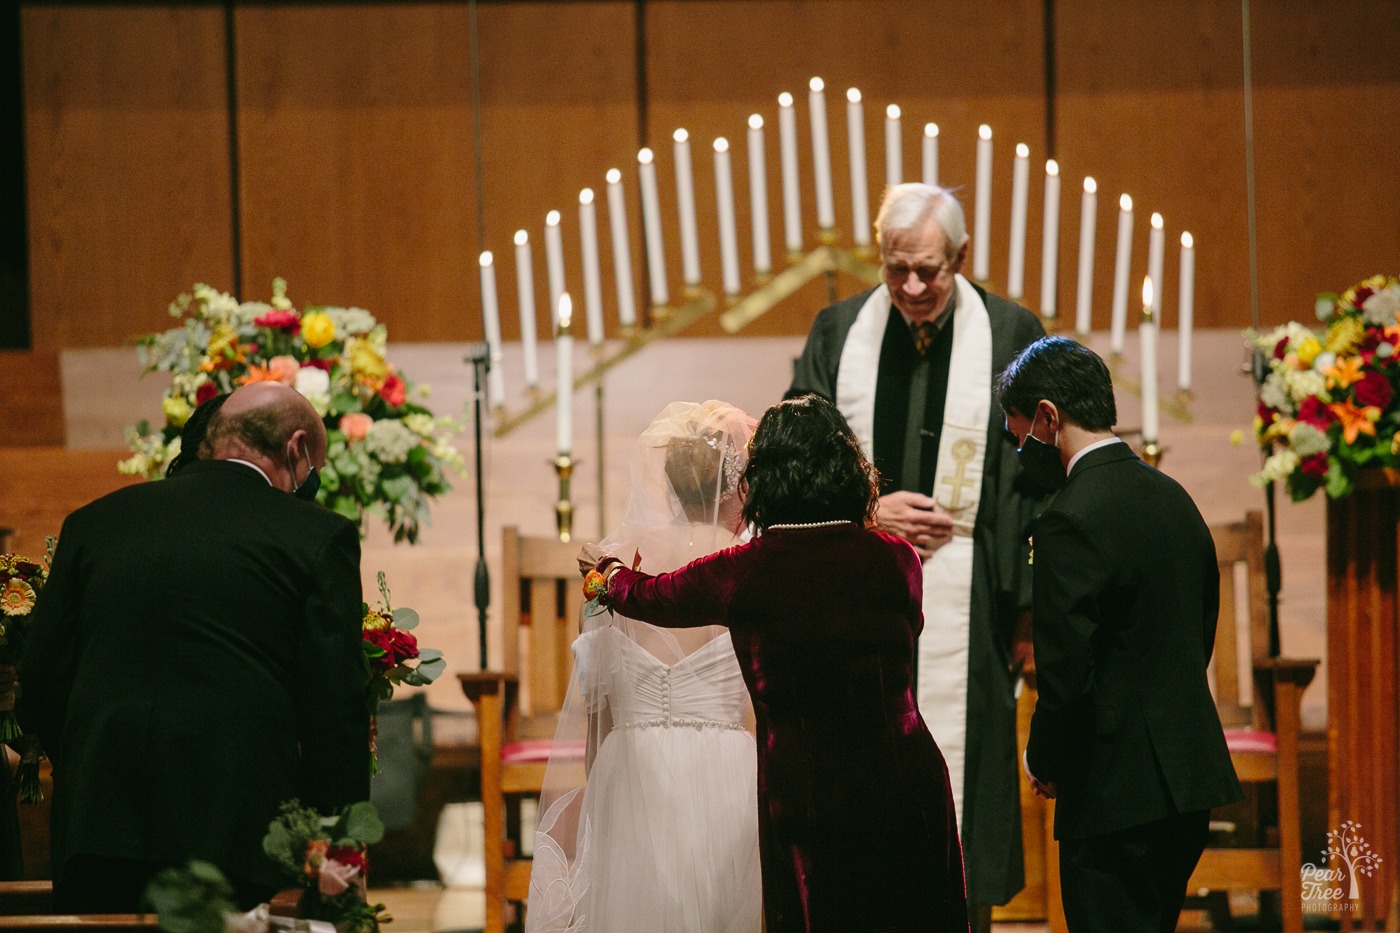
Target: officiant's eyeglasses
898,271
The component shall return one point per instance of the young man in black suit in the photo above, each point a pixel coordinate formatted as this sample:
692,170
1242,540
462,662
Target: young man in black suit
195,660
1125,735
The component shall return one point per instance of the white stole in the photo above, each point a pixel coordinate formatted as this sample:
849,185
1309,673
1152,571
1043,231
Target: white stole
957,485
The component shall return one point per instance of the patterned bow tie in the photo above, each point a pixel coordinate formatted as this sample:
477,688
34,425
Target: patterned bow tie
923,333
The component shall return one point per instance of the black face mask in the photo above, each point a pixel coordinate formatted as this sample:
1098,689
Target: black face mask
308,487
1041,462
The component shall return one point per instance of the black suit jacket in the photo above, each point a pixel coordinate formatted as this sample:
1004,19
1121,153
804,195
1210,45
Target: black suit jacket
194,661
1126,593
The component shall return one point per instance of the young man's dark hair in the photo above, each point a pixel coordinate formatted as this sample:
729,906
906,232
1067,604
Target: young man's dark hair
1067,373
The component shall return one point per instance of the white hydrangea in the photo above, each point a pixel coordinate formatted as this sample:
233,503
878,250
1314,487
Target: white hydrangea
1306,440
1280,466
1305,383
1382,308
219,304
1275,393
1324,306
250,311
389,441
350,321
420,424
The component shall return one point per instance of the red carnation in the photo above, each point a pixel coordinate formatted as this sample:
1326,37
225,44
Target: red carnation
278,319
1281,349
1315,413
1374,389
1266,414
205,392
1316,465
1362,294
324,365
394,391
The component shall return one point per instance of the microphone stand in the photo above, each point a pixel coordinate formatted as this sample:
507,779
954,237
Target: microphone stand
1273,570
479,355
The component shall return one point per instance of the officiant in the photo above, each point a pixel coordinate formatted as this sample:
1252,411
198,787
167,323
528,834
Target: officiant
196,661
912,365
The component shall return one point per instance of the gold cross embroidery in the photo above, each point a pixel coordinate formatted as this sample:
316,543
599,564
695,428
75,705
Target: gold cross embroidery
963,452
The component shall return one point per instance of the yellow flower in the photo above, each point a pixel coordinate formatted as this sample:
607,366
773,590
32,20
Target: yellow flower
7,561
317,329
17,598
177,410
1345,335
375,621
1237,437
368,365
1308,351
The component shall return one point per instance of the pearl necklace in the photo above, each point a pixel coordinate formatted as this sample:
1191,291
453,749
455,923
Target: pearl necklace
837,521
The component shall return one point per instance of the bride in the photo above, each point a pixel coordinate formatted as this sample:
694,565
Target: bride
656,831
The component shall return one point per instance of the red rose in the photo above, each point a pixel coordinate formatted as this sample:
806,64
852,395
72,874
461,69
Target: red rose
277,319
1281,349
348,855
1315,413
394,391
404,647
384,641
1374,389
1362,294
1316,465
1267,414
205,392
318,363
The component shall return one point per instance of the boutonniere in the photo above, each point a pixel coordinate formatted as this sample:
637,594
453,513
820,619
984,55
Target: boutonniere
1030,556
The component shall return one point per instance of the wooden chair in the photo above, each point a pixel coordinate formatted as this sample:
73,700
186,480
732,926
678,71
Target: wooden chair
1261,729
1265,852
517,706
28,905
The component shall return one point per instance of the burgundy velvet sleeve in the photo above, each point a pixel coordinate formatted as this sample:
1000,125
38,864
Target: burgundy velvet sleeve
913,567
697,594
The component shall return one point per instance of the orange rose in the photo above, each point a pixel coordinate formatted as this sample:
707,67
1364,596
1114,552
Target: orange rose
355,425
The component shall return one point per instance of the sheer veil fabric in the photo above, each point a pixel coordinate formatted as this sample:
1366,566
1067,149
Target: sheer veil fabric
648,819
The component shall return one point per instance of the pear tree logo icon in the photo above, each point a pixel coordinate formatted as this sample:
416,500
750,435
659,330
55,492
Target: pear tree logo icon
1355,852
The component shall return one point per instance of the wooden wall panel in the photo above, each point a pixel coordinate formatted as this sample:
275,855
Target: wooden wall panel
126,142
1327,87
712,63
356,159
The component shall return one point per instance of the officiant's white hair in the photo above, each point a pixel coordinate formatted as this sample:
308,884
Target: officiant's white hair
908,205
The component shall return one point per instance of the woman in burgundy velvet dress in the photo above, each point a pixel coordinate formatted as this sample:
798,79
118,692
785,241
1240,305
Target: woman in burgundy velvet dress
856,824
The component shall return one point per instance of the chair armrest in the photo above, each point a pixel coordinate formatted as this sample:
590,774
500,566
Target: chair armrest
1296,671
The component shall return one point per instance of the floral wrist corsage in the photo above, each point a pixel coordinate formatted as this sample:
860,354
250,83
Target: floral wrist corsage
595,582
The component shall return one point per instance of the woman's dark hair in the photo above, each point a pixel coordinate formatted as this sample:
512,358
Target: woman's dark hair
1062,371
805,466
193,433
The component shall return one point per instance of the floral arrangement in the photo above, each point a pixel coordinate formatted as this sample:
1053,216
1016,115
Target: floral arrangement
393,654
325,857
387,453
21,581
1328,404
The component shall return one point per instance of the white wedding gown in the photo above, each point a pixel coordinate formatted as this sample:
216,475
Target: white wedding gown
667,832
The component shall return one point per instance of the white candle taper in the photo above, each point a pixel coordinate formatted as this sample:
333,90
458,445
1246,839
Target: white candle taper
724,203
860,193
525,291
651,221
491,323
554,259
1147,339
1186,310
758,197
894,147
1020,197
685,204
1084,294
792,198
1156,246
564,373
1050,241
592,280
1118,323
930,154
621,250
821,154
982,212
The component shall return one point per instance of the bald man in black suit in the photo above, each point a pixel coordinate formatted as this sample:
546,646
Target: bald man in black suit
195,660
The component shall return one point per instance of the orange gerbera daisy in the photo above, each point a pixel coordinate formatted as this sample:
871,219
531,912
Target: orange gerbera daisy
17,598
1355,420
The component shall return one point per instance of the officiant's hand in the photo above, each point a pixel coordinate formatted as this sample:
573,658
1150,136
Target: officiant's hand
917,519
